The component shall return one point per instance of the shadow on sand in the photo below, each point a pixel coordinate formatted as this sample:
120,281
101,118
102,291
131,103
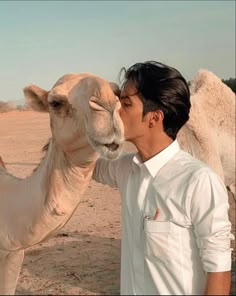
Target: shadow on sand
75,264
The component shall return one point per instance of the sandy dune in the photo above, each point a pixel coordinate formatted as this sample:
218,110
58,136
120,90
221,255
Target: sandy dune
84,258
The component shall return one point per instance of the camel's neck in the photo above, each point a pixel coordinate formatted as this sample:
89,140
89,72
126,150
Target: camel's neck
65,181
45,201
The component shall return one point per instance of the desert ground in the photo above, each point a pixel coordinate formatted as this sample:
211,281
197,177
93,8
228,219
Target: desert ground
84,257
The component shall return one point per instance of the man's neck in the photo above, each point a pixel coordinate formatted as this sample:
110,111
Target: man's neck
147,148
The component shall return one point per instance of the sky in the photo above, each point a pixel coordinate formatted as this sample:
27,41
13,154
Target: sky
40,41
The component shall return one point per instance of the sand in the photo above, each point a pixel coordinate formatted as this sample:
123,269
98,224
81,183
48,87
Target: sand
84,258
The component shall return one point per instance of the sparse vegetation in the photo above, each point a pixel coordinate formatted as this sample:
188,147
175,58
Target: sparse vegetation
9,106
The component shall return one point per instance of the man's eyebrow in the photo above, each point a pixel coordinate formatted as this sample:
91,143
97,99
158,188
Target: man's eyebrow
124,97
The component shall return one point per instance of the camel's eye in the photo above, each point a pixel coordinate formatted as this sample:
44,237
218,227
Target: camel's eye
56,104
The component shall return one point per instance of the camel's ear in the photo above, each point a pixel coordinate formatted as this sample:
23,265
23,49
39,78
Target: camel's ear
115,88
36,98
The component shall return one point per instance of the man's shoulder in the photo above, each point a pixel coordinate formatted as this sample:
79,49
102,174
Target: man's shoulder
194,167
185,162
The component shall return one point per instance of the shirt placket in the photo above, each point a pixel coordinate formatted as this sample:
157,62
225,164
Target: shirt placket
138,254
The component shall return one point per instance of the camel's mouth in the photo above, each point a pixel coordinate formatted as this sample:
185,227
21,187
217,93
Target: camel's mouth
108,150
112,146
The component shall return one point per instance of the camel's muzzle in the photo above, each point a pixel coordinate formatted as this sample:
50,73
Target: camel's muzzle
113,146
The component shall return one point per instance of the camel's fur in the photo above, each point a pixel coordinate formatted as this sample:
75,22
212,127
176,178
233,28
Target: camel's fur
209,134
35,208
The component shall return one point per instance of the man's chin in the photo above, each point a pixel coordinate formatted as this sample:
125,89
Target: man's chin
127,137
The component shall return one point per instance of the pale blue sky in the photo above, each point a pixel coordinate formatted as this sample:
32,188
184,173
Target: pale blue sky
42,40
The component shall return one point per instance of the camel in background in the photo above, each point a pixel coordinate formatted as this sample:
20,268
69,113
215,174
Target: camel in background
84,122
209,134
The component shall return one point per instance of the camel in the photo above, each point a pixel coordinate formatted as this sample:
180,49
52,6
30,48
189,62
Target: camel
209,134
85,123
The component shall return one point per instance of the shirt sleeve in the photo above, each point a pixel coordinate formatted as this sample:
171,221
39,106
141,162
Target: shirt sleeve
209,215
112,172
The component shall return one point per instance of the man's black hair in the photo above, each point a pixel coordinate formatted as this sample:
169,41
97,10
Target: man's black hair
161,87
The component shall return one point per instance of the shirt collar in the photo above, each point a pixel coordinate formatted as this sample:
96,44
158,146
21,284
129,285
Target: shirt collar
154,164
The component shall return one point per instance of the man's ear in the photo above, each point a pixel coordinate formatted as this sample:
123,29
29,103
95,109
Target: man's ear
36,97
156,117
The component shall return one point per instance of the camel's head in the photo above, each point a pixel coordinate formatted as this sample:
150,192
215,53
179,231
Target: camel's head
84,113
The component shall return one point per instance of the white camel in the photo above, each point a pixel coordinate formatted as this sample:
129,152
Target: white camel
84,117
209,134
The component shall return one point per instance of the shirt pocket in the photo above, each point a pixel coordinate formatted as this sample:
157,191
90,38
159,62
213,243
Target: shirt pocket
156,239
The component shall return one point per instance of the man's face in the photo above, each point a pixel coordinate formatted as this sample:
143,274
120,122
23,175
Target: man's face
131,113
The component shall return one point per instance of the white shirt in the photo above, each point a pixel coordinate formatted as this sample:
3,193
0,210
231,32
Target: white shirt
191,235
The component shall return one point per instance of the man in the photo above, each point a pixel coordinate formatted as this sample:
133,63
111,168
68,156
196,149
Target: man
175,227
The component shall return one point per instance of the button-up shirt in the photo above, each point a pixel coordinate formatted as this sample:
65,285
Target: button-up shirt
169,254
